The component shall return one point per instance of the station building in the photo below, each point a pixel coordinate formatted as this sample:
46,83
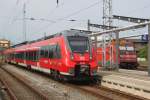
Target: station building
4,43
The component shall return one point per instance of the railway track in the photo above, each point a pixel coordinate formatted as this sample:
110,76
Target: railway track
9,92
142,68
19,89
101,92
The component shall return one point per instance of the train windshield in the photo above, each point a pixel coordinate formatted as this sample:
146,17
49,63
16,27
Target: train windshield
78,44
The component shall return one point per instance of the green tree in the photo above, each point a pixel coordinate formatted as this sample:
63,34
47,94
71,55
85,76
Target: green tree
143,53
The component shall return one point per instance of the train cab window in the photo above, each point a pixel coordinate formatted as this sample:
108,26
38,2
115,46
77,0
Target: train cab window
78,44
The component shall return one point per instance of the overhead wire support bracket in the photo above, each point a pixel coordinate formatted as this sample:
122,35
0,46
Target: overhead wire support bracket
131,19
106,27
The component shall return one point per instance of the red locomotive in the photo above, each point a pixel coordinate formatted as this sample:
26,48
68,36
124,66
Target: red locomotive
127,55
67,55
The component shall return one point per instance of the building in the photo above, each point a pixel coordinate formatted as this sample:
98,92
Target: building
138,44
4,43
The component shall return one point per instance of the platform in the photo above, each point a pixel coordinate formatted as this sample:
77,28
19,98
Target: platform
130,81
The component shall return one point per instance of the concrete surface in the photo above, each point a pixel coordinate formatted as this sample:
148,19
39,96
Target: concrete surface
130,81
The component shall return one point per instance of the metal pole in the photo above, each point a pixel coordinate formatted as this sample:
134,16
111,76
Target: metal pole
148,49
95,37
95,43
104,51
44,35
88,25
24,21
117,50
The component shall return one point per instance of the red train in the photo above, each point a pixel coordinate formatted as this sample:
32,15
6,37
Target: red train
127,55
67,55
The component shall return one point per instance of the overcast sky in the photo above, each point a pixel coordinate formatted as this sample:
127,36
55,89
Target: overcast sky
11,14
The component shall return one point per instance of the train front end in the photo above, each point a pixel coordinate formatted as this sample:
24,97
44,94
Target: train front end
81,57
128,57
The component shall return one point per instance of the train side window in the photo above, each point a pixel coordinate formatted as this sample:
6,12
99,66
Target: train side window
46,52
20,55
17,55
27,55
31,55
54,51
50,52
58,51
37,55
34,55
41,52
23,55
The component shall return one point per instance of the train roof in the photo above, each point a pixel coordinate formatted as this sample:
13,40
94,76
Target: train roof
63,33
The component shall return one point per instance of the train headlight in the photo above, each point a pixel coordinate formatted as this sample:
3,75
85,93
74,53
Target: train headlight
90,57
71,57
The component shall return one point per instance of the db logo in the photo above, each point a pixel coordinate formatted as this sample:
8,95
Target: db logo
46,62
81,58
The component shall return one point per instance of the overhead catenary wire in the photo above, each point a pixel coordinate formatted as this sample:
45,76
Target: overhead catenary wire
70,15
54,9
10,18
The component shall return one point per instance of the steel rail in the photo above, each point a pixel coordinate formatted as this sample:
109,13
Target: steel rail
8,90
100,88
25,82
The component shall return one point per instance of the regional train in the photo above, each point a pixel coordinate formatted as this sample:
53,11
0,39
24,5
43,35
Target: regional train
68,55
127,55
